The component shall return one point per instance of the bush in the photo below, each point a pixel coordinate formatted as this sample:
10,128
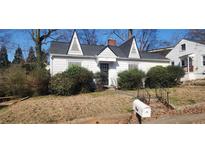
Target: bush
130,79
164,76
60,84
175,73
2,83
15,80
21,81
100,78
157,77
73,81
38,79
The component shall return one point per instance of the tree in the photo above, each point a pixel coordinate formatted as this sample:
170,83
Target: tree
18,57
196,35
31,56
44,56
39,37
146,39
4,36
4,62
88,36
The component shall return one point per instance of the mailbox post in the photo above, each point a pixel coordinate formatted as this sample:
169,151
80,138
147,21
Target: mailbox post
141,109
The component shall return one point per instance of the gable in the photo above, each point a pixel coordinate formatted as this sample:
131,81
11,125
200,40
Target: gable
189,48
107,52
75,48
134,53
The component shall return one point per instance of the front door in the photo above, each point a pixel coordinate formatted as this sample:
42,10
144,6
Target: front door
104,67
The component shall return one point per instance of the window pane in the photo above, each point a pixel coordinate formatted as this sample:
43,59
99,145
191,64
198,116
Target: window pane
133,66
183,46
74,63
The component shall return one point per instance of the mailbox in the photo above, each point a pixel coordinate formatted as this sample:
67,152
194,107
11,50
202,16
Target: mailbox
141,108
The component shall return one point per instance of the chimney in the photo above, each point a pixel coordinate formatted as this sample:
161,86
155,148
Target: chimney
111,42
129,33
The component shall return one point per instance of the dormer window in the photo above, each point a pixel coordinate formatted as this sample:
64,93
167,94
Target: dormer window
183,47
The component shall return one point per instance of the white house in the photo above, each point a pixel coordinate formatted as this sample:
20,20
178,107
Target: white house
109,58
191,56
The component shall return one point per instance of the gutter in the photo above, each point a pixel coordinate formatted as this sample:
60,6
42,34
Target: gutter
119,58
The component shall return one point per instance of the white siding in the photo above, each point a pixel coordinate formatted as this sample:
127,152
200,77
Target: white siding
91,64
142,65
59,65
145,66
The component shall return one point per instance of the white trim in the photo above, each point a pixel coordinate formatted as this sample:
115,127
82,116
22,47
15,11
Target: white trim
134,55
75,52
107,53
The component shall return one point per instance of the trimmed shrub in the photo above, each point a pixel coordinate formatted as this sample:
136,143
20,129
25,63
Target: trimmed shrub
164,76
73,81
157,77
81,78
175,73
60,84
100,78
131,79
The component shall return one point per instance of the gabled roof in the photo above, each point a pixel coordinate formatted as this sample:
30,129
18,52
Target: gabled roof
195,41
126,46
121,51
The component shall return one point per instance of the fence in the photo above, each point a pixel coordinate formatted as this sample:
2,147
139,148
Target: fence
143,95
163,95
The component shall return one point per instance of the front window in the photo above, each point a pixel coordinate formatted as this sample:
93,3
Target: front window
133,66
183,63
74,63
203,60
183,47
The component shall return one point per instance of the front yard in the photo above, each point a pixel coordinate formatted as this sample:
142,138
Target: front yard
62,109
89,108
188,95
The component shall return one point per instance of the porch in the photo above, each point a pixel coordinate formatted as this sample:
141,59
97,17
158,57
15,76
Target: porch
186,62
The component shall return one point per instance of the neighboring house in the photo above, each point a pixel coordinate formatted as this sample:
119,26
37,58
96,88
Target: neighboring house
109,58
189,55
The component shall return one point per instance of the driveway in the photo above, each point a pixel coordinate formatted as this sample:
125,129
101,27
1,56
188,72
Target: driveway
179,119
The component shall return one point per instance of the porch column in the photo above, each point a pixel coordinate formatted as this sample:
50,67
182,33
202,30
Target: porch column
188,64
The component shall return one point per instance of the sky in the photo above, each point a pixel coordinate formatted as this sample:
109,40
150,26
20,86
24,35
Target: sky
22,38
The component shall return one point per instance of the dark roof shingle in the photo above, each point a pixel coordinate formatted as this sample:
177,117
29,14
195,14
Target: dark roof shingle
121,51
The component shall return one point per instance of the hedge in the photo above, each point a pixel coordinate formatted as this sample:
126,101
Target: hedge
73,81
164,76
130,79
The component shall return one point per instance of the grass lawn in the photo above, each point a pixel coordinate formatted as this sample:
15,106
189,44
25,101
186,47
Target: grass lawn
66,109
62,109
188,95
180,96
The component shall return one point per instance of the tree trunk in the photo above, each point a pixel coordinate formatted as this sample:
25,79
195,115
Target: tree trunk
38,47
